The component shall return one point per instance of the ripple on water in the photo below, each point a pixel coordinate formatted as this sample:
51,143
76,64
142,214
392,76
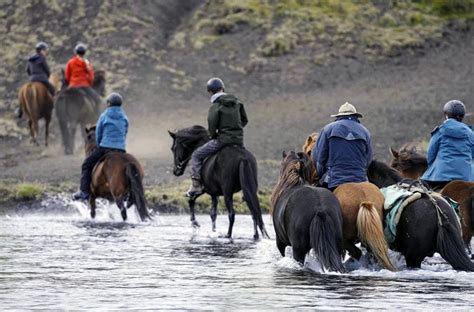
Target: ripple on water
66,261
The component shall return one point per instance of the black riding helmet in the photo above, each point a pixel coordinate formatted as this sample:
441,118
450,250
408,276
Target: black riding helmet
80,49
454,109
215,84
114,99
40,46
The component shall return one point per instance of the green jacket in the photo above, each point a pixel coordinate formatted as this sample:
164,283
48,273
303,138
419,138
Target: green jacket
227,119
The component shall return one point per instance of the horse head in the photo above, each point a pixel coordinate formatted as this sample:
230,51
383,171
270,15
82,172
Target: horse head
90,139
185,142
99,82
310,142
56,80
408,161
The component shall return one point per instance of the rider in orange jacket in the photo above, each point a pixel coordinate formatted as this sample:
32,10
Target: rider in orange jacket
80,73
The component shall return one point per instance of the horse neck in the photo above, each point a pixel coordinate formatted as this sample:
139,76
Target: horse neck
386,175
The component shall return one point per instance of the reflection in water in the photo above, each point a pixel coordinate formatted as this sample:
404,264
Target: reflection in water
67,261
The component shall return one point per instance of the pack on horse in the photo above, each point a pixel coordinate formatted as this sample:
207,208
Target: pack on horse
306,217
37,103
74,106
424,228
230,170
413,164
362,212
117,177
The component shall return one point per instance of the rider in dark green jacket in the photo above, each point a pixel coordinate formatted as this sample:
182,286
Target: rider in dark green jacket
226,121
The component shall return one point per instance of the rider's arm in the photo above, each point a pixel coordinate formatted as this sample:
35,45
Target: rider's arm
90,72
243,115
433,147
213,120
99,129
67,72
369,151
28,70
320,154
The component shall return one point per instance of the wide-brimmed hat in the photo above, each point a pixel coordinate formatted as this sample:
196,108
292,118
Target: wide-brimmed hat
347,109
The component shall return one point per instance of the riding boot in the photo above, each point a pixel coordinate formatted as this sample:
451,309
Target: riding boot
196,188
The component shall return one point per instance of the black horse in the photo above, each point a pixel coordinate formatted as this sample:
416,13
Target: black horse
423,229
306,217
74,107
230,170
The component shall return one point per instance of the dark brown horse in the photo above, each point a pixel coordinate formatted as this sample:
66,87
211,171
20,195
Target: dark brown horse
362,212
74,107
306,217
413,164
117,177
37,103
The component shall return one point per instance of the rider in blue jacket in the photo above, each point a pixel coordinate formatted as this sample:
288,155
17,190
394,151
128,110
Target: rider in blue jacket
451,149
111,134
343,151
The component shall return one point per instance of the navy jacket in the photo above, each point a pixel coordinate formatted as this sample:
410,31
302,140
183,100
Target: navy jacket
37,68
450,153
112,128
343,152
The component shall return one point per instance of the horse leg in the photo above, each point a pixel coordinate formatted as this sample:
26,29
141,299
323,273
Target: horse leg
72,136
92,205
192,203
121,206
46,130
32,132
36,130
215,201
354,252
281,246
64,135
413,262
299,254
229,203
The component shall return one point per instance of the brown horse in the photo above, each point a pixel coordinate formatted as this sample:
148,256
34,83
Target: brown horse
413,164
37,103
117,177
362,213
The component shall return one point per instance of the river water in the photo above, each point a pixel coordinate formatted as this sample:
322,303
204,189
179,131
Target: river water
60,259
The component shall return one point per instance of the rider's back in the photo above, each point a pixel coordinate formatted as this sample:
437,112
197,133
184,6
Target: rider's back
37,68
79,72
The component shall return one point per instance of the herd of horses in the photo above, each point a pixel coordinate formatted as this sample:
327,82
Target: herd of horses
305,216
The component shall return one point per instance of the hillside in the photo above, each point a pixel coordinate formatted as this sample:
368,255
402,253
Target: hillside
292,62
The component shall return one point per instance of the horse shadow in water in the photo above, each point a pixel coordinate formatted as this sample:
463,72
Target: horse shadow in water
413,164
424,228
117,177
230,170
306,217
74,106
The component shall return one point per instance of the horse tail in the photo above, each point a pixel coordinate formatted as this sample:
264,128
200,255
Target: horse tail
326,240
371,233
137,193
248,182
450,245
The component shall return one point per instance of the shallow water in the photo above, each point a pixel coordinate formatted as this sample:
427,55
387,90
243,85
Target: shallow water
60,259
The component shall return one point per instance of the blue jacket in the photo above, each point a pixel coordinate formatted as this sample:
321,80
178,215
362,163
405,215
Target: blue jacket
37,68
343,152
450,152
112,128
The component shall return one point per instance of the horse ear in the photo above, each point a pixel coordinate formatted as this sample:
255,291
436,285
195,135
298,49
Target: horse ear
88,128
394,153
284,154
172,134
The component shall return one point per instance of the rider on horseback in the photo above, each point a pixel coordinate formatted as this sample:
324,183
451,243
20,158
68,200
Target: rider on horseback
38,69
80,74
343,151
226,121
451,149
111,134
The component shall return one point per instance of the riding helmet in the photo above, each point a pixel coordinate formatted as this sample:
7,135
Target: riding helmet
215,84
41,46
454,109
80,48
114,99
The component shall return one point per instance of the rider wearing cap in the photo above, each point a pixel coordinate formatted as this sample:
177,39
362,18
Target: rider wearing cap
111,134
343,151
79,72
226,121
451,149
38,69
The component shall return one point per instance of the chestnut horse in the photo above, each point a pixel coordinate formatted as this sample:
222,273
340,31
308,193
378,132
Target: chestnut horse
362,212
117,177
37,103
413,164
306,217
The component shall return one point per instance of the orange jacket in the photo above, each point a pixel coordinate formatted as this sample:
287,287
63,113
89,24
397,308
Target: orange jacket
79,72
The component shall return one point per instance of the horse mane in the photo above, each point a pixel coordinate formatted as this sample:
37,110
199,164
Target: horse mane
290,176
192,134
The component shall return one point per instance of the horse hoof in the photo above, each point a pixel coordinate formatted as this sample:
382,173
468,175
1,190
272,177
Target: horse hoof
93,215
256,236
195,224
